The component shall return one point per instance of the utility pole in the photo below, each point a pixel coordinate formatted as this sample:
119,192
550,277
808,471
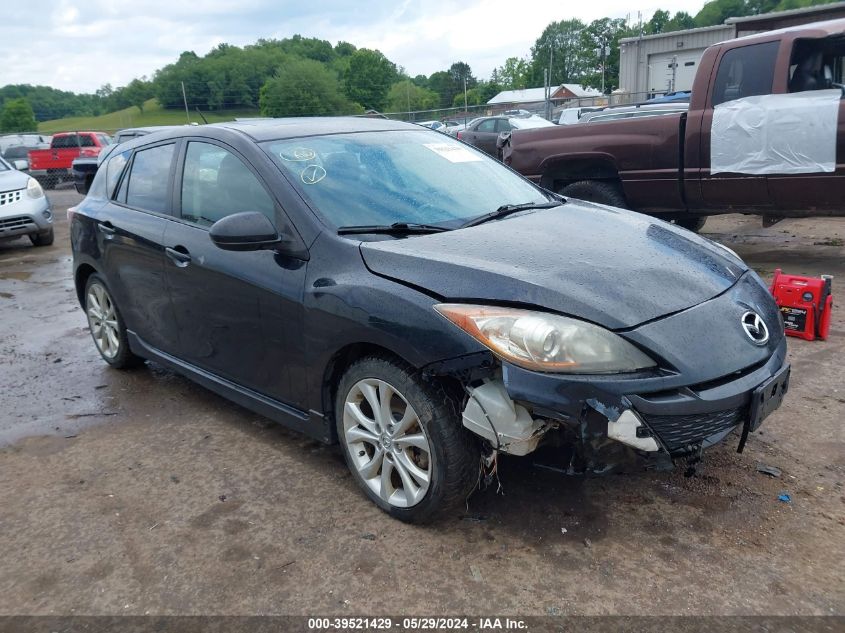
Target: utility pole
185,101
408,86
465,100
603,63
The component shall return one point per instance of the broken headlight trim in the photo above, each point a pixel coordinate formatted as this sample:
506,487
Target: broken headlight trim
546,342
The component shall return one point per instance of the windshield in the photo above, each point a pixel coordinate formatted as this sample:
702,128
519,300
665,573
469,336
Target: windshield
381,178
529,123
4,166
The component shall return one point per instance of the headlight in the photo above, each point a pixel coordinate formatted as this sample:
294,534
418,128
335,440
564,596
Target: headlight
33,189
546,342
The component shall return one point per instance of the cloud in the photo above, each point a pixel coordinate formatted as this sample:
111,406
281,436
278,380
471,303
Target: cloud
80,46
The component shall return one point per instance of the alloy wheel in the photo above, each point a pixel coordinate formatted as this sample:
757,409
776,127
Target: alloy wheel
387,443
102,319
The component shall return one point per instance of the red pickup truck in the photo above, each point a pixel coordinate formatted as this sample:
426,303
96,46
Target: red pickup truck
53,165
764,134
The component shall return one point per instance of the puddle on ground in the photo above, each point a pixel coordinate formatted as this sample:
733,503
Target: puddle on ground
19,275
6,295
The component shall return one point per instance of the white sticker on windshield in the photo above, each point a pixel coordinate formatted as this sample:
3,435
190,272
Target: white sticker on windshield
453,153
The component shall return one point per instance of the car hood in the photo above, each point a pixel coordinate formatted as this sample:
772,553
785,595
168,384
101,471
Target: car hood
12,180
613,267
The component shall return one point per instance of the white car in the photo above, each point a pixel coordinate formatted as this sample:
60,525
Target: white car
24,209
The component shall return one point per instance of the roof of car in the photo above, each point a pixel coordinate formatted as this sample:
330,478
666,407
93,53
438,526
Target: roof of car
275,129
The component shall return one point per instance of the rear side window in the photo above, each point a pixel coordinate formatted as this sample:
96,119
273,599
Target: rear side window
745,72
216,183
63,142
87,140
149,177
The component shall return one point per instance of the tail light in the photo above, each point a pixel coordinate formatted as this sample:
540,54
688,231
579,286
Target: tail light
460,136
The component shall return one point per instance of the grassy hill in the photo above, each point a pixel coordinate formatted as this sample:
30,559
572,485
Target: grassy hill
153,114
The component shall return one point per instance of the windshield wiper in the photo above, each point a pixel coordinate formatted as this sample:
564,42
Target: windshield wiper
507,209
397,228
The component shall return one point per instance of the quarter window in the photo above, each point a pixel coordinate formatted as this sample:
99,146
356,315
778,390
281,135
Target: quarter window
149,179
216,183
114,169
745,72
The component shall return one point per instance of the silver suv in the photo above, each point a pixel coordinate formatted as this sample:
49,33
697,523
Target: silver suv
24,209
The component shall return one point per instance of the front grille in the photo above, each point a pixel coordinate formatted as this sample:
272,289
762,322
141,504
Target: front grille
17,222
679,431
8,197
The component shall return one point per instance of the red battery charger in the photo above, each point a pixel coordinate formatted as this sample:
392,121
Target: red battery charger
805,304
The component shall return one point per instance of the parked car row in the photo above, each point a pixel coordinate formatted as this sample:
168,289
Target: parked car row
24,209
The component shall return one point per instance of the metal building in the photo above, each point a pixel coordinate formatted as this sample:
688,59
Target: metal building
655,64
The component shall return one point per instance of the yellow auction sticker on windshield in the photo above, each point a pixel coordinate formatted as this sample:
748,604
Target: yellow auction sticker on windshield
453,153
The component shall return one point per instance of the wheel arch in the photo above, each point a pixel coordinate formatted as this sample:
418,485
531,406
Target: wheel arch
80,279
564,170
337,365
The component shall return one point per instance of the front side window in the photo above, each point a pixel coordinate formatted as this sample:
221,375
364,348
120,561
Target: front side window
216,183
487,126
148,185
398,176
745,72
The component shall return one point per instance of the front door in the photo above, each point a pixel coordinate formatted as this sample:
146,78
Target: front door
237,312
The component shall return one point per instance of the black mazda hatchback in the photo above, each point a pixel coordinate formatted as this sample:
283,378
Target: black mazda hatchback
392,289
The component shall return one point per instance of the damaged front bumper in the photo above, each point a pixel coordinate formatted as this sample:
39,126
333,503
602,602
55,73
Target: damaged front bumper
648,414
609,419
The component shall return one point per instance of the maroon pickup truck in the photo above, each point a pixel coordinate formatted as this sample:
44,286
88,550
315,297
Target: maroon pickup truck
52,166
764,134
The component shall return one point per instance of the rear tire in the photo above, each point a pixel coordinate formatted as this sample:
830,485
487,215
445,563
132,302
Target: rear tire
106,325
43,239
598,191
408,450
694,224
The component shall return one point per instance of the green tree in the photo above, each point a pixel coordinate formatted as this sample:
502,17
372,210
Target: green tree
304,87
17,116
561,43
600,45
657,23
137,92
515,74
680,22
368,78
405,96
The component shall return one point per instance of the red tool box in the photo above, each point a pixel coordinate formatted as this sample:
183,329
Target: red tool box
805,304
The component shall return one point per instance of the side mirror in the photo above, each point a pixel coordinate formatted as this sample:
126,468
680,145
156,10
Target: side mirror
21,165
247,231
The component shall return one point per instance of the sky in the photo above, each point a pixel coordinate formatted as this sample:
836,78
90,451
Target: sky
80,45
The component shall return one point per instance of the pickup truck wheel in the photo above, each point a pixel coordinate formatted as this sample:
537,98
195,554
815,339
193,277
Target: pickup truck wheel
403,440
608,193
692,224
42,239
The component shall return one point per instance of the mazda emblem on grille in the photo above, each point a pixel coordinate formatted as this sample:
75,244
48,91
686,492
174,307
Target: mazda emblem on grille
755,328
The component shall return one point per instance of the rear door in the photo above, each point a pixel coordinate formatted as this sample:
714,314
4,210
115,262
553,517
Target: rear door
130,230
819,190
238,312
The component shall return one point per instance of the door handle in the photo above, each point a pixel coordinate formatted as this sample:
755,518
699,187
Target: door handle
106,229
179,255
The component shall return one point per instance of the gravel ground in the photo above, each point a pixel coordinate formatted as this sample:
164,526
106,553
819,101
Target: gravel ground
139,492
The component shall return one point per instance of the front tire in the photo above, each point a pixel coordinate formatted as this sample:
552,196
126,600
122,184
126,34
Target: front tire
598,191
403,440
106,325
694,224
42,239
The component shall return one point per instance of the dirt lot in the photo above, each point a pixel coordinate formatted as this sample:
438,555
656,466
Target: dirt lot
134,493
